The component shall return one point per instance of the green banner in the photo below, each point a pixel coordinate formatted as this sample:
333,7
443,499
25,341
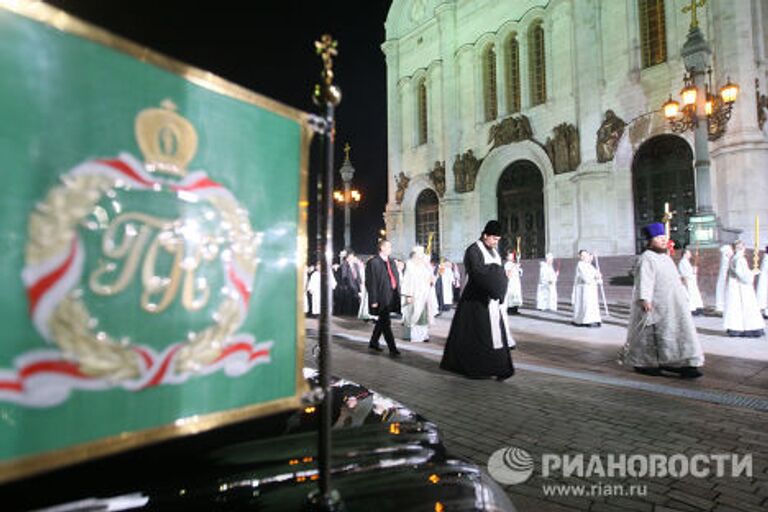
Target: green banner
150,233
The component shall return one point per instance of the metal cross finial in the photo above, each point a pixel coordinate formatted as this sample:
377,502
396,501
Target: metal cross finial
326,48
347,149
694,5
327,92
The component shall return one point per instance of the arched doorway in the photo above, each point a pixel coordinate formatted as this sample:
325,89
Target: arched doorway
662,172
520,194
428,220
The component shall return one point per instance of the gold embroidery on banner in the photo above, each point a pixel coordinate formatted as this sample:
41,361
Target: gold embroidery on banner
138,240
166,238
167,140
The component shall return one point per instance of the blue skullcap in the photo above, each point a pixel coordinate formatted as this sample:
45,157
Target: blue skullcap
653,230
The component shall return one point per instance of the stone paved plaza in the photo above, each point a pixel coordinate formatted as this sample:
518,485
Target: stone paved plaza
569,396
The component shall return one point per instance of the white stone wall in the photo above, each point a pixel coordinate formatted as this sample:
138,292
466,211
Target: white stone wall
593,63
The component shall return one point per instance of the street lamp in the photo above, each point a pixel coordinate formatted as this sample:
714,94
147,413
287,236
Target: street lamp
717,108
700,104
348,198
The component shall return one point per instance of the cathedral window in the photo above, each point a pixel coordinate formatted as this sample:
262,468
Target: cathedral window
428,221
513,74
653,39
421,91
489,84
537,65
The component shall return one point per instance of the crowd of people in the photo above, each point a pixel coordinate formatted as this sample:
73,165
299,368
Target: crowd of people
661,335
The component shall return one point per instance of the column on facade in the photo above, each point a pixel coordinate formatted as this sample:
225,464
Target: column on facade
588,66
450,218
594,182
393,215
394,114
741,156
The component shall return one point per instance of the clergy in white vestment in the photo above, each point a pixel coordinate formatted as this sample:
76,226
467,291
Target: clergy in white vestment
742,317
689,275
586,307
446,273
726,252
364,313
313,287
417,291
307,272
546,293
456,281
514,296
762,285
661,334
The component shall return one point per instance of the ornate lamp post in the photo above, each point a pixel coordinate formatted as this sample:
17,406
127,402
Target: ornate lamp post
706,114
349,198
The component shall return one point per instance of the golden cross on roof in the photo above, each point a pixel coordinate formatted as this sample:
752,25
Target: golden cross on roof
694,5
347,149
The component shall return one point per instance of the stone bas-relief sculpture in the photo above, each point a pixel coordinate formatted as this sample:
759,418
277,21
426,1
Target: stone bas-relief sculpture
608,136
437,176
563,148
402,184
509,130
465,169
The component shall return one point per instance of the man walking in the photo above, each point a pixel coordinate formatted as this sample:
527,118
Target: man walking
742,317
661,334
586,308
479,340
689,275
546,293
417,289
383,286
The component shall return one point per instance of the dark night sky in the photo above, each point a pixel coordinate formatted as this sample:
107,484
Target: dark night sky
267,46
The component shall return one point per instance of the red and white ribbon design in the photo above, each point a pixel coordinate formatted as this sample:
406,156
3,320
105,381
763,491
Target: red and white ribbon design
45,377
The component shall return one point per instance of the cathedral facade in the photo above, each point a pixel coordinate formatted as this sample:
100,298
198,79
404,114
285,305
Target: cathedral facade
546,115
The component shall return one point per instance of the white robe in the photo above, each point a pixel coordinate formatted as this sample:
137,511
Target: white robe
363,313
313,287
666,336
447,281
741,310
688,273
514,288
418,312
722,277
586,307
306,286
546,293
762,285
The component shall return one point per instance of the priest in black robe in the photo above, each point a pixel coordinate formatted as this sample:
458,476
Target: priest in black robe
479,341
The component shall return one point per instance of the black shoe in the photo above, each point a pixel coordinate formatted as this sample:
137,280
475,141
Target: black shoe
375,348
654,372
395,353
690,372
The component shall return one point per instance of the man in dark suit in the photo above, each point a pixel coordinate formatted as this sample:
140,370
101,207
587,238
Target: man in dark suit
383,285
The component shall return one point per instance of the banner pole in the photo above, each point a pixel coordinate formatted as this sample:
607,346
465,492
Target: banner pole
327,96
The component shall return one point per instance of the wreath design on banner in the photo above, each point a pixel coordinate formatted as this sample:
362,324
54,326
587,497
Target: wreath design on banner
89,358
